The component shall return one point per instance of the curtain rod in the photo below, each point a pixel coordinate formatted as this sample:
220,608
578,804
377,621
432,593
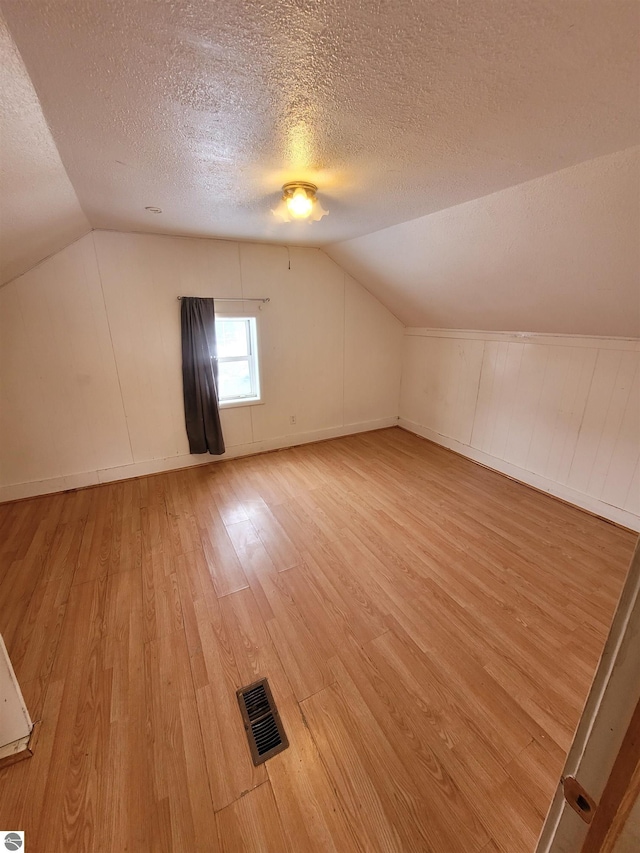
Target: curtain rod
240,299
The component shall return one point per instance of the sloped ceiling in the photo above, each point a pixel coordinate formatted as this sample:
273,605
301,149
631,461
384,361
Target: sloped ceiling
476,157
559,254
39,209
396,109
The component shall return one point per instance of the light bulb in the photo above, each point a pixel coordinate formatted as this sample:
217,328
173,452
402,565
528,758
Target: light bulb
298,201
299,204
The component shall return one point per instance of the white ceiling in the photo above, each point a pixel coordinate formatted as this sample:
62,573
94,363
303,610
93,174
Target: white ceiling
396,109
475,156
39,210
558,254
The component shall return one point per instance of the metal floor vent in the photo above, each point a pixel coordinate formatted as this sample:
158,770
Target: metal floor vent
261,720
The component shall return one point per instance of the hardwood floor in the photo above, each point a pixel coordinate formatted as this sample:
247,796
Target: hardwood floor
429,629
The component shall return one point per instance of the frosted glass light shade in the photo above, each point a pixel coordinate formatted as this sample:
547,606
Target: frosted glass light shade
299,202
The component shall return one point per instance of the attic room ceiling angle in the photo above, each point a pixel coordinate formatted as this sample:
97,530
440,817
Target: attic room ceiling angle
395,111
477,159
39,209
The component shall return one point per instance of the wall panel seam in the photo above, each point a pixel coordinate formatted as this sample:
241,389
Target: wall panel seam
113,351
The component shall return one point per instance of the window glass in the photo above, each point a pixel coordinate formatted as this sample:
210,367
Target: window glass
234,379
232,338
237,359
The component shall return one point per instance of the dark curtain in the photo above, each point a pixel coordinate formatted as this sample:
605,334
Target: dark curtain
200,376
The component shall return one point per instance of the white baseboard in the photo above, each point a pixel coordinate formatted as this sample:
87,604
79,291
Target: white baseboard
558,490
155,466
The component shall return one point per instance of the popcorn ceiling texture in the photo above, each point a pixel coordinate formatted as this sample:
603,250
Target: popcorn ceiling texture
395,109
39,210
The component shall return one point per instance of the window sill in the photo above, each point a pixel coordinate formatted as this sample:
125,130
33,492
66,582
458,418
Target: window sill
237,404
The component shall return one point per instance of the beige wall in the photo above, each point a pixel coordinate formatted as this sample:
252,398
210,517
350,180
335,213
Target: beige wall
91,383
90,375
561,413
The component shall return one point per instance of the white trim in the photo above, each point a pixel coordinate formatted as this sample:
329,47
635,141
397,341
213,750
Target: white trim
238,404
614,695
254,358
579,499
15,747
156,466
540,338
16,720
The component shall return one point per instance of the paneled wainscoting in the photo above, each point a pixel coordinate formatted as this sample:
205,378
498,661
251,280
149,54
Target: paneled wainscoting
559,412
429,629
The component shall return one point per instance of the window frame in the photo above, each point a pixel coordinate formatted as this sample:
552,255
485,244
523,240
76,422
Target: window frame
255,359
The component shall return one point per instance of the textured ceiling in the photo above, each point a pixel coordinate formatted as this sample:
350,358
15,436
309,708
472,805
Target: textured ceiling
396,109
558,254
39,210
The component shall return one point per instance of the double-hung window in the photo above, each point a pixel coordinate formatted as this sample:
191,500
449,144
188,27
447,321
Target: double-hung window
238,365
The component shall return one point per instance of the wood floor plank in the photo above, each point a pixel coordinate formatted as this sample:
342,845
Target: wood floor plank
356,595
482,701
366,807
299,526
25,786
490,847
303,654
252,823
311,810
253,650
195,585
225,568
180,769
124,528
84,707
231,771
95,548
424,756
33,648
161,598
429,629
230,509
129,809
257,565
278,545
533,772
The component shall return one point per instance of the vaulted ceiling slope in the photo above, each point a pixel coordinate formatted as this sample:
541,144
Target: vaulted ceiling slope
394,109
559,254
39,209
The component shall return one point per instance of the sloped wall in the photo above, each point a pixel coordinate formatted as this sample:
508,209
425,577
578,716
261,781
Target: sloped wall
559,412
90,375
559,255
39,210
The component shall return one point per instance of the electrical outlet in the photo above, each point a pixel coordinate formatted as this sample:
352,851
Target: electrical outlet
292,419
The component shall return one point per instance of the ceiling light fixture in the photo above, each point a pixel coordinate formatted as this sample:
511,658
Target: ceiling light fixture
299,202
153,209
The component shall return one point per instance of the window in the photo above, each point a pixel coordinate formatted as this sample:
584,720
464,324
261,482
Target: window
238,367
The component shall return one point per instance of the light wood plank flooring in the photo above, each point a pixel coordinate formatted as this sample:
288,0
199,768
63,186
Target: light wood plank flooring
429,629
